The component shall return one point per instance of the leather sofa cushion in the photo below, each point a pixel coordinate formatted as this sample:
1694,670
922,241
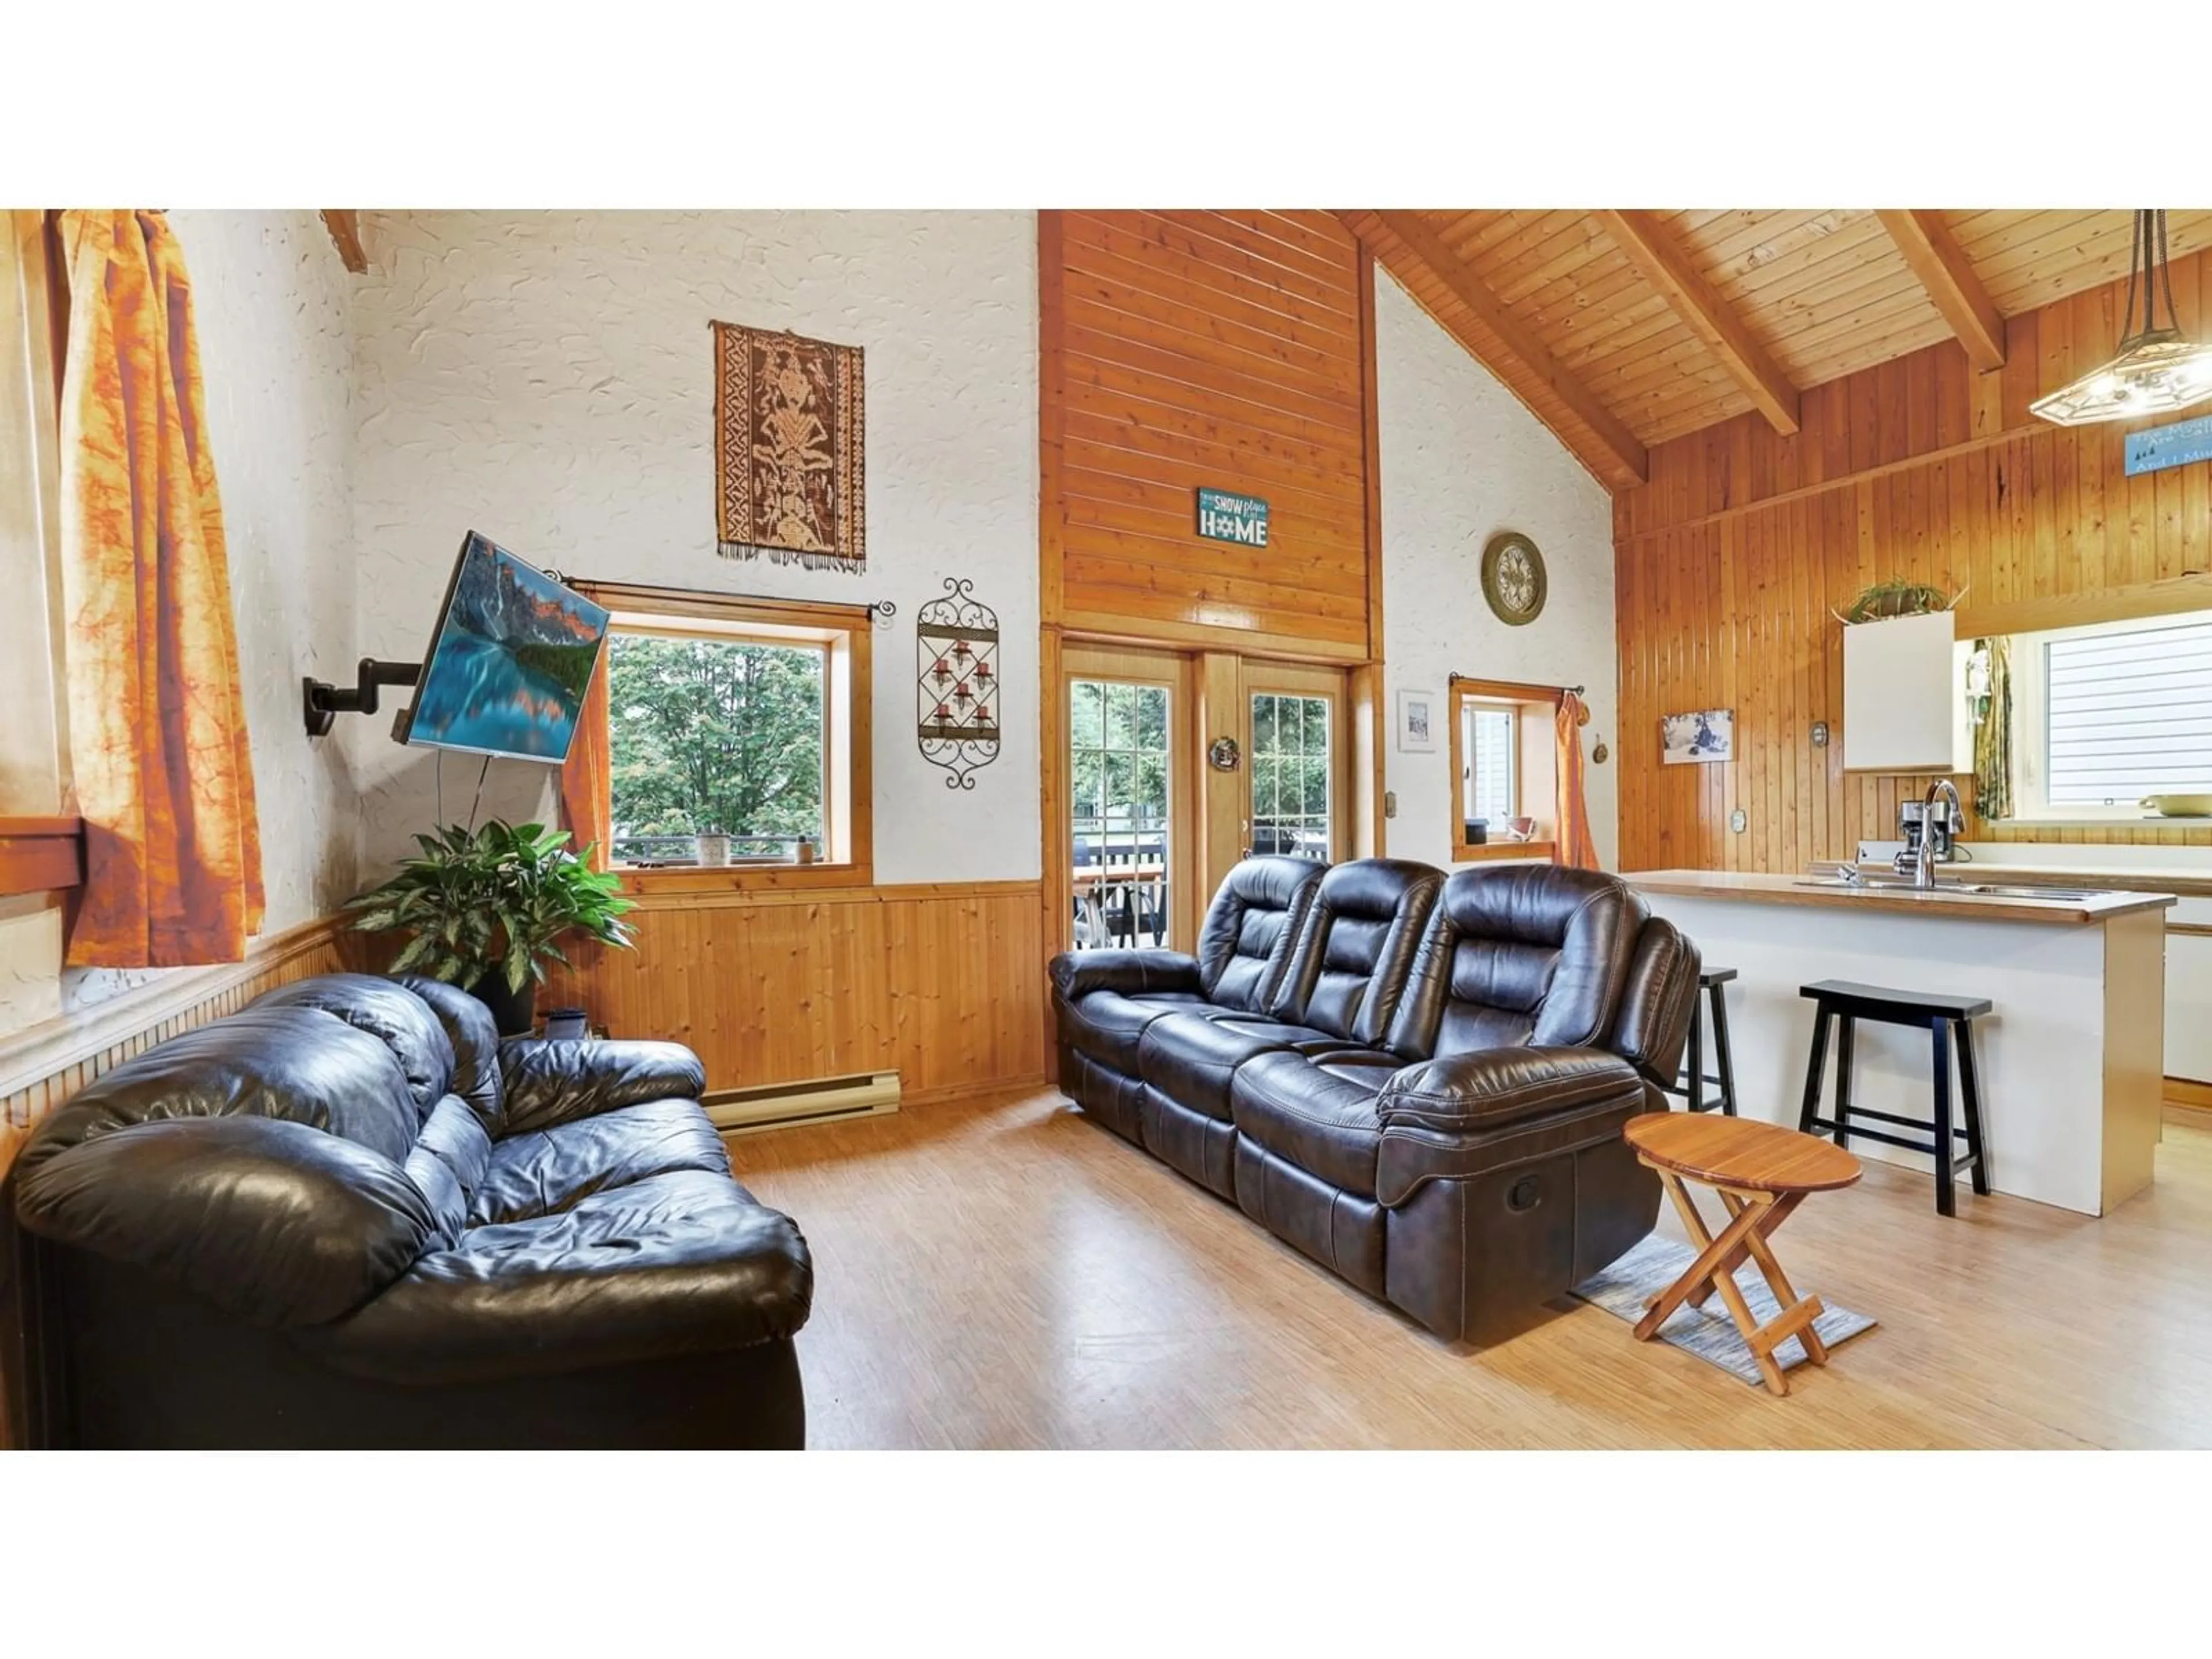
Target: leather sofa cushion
478,1078
1356,946
299,1064
551,1171
1318,1114
684,1263
1106,1025
391,1014
1244,943
1299,1039
1658,1003
1191,1059
1526,953
447,1165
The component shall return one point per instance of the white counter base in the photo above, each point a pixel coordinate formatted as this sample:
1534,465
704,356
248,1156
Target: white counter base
2070,1101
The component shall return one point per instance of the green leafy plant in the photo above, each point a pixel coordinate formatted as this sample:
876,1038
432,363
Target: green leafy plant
495,899
1897,599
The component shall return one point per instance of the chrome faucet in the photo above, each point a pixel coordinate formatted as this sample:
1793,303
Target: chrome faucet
1923,855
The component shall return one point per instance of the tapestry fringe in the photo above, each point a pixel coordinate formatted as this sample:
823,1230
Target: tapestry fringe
791,555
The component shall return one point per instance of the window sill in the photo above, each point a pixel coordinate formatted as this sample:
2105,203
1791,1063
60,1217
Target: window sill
678,880
2132,821
1540,851
41,854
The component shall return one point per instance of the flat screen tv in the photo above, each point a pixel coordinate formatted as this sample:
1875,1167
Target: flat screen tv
508,667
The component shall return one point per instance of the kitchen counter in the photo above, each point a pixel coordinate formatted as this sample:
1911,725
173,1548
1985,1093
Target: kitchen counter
1986,907
2071,1053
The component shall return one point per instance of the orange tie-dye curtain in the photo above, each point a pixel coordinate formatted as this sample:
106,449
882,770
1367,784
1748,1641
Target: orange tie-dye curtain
1577,850
161,766
586,782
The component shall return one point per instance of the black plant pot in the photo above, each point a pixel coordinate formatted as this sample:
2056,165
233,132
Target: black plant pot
515,1012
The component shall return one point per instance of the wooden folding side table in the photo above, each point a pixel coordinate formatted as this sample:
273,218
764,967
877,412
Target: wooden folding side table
1762,1172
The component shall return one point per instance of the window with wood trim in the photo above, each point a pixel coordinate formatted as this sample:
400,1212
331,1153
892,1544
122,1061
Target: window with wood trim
1504,766
736,735
2108,713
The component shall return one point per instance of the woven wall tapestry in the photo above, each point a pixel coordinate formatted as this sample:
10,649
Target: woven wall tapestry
788,474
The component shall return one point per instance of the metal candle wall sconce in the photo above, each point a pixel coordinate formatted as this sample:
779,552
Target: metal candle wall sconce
957,654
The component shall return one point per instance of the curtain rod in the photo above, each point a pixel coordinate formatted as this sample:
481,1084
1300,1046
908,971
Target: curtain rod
1531,684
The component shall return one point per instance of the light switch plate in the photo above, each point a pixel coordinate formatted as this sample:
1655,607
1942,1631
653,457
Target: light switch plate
1738,821
1389,802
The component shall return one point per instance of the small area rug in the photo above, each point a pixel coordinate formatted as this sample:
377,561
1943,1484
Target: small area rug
1626,1289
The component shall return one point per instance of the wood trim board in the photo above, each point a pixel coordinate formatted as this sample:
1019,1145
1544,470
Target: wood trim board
41,854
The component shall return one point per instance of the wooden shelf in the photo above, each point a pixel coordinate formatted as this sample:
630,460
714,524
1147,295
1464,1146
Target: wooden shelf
41,854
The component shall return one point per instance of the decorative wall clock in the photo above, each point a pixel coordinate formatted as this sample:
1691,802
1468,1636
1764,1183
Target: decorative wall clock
1513,577
957,654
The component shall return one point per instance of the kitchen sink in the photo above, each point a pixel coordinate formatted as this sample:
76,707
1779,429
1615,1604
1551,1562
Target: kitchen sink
1972,889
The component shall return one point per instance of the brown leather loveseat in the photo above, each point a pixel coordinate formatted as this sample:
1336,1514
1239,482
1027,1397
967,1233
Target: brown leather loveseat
1419,1080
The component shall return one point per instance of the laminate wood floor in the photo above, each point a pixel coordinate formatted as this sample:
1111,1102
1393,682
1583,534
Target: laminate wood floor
1007,1273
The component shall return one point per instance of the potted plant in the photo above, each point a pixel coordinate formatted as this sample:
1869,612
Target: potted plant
486,908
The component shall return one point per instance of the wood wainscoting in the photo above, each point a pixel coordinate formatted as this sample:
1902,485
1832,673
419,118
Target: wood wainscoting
944,983
1731,559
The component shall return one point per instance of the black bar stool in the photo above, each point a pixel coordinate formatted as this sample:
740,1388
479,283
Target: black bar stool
1947,1018
1690,1082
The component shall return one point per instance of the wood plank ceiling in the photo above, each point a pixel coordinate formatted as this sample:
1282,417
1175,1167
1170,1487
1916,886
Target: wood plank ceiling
1623,329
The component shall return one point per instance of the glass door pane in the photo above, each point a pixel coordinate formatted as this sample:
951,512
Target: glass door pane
1120,799
1293,775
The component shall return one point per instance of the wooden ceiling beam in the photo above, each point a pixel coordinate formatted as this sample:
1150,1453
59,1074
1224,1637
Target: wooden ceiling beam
1948,275
344,227
1621,458
1661,261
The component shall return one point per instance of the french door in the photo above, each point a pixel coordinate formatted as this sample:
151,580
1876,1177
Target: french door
1172,768
1298,761
1130,807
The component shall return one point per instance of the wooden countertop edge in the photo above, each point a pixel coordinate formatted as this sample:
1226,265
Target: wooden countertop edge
1697,884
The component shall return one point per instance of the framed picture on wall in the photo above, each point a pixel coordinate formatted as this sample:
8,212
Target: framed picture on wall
1417,722
1691,739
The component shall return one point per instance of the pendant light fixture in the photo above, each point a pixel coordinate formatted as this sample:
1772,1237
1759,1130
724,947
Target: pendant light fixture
2157,371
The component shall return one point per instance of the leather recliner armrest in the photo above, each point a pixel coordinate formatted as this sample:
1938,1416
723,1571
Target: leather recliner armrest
1493,1087
274,1221
1132,973
550,1083
1474,1115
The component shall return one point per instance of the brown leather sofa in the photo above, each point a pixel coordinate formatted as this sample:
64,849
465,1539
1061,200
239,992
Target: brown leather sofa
1418,1080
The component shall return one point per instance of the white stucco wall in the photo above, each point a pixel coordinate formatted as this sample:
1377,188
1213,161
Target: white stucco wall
548,379
1462,459
270,299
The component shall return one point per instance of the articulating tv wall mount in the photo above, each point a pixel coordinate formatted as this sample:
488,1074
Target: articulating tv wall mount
322,702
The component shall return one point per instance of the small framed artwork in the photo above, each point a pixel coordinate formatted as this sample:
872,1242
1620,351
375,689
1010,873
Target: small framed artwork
1692,739
1417,722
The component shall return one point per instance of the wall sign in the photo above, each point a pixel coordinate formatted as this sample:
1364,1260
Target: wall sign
2174,445
1225,517
957,657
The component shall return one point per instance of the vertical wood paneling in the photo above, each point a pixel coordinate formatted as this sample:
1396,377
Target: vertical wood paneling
1223,348
1731,559
944,985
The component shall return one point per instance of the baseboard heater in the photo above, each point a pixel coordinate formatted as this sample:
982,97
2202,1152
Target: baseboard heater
782,1105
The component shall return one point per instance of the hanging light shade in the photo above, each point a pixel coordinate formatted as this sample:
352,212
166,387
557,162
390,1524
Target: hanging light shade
2158,370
